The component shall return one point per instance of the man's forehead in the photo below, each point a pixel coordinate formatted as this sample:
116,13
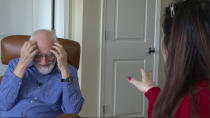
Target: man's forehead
44,48
43,39
43,35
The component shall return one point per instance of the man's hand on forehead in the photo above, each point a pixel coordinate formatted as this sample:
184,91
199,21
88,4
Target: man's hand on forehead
27,53
61,55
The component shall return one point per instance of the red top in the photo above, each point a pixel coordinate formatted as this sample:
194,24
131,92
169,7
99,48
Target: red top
183,111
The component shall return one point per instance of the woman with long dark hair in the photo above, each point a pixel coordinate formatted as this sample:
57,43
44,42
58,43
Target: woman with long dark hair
186,51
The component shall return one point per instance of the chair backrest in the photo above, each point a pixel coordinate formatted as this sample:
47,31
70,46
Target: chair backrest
10,49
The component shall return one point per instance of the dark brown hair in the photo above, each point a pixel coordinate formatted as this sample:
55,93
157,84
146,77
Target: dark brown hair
187,39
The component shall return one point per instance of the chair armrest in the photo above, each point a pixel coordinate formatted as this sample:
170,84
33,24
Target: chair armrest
0,79
68,116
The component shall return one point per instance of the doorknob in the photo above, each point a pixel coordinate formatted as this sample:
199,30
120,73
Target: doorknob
151,50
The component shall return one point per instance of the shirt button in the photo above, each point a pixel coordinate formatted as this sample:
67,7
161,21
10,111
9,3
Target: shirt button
68,86
23,113
35,98
14,95
31,101
19,83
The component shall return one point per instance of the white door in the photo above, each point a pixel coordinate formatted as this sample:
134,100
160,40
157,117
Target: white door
130,31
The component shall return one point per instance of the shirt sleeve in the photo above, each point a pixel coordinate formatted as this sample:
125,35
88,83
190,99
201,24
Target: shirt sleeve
72,99
9,88
203,103
151,95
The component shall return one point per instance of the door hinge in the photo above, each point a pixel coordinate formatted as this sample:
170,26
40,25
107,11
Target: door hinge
104,109
105,35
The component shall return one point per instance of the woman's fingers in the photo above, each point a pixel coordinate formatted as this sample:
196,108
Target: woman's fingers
146,76
146,82
135,82
150,74
141,86
143,74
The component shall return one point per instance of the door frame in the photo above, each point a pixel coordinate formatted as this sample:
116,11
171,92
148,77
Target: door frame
101,107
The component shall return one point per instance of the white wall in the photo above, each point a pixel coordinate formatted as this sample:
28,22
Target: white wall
90,56
15,18
76,28
42,14
24,16
85,29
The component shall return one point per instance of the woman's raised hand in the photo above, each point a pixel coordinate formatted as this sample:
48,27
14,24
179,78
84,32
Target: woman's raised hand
146,82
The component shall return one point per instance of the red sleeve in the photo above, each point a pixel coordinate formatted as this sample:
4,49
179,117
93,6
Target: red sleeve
151,95
203,102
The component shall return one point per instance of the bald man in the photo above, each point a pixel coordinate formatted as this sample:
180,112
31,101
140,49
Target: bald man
40,83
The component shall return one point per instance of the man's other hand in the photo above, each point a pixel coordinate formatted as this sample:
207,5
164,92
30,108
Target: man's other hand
27,53
61,55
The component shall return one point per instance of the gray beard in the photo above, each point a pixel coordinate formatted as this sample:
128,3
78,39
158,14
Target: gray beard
47,70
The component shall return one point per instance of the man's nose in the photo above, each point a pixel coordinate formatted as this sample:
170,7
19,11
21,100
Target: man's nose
43,60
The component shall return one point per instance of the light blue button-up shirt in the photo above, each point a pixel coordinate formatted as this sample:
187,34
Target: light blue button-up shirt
38,95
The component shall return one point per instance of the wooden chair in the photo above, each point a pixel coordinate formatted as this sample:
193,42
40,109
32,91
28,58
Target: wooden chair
10,49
